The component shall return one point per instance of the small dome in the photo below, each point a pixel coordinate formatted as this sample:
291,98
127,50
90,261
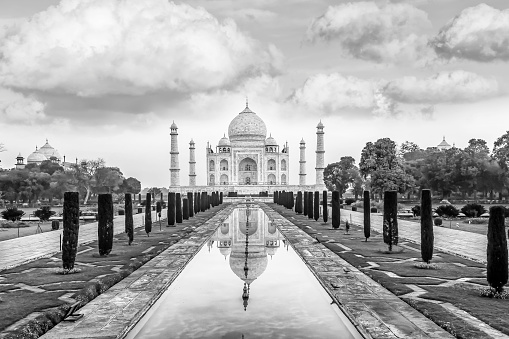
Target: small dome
320,125
271,251
247,126
173,125
256,263
302,141
225,251
36,157
19,155
48,151
224,141
270,141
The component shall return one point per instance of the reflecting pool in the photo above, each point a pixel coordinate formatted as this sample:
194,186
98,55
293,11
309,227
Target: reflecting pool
246,282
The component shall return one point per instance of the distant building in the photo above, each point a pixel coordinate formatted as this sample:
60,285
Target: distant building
442,146
46,152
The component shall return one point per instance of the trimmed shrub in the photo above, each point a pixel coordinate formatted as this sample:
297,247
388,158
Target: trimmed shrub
325,212
221,197
148,215
292,200
349,201
158,207
374,210
55,225
497,250
298,203
367,215
171,209
185,209
12,214
128,221
473,210
105,224
305,201
44,213
447,211
310,205
416,210
335,209
197,201
427,237
437,222
178,208
190,204
479,221
354,208
390,226
316,214
71,225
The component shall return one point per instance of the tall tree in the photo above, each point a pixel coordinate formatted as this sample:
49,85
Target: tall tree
427,237
367,215
497,250
71,223
380,162
340,175
129,225
105,223
108,179
84,175
390,226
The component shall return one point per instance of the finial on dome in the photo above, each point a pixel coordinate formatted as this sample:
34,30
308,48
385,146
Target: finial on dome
247,102
36,148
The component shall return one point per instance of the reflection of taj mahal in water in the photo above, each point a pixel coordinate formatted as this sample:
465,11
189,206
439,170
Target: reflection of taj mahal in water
247,161
248,238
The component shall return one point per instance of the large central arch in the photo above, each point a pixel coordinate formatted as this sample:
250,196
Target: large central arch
248,171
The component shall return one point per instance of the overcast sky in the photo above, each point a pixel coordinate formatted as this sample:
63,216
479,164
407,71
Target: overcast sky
106,78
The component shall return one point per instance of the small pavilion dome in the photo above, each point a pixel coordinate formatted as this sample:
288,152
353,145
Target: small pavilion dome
36,157
224,141
270,141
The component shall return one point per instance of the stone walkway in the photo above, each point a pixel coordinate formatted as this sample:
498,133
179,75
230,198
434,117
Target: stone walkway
15,252
465,244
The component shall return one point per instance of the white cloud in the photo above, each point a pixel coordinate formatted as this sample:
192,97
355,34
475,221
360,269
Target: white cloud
442,87
479,33
377,32
19,109
98,47
330,92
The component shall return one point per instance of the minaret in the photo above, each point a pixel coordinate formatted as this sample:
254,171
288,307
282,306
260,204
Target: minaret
302,162
192,164
174,157
320,151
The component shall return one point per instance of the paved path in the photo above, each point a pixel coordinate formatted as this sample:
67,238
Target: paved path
14,252
465,244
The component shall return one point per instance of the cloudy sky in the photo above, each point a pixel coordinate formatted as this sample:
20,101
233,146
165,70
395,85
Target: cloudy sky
106,78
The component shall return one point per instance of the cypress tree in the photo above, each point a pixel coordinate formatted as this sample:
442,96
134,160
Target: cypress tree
190,204
148,214
161,198
310,205
158,207
139,198
105,223
292,201
427,237
497,250
203,201
325,211
305,201
217,198
71,226
129,225
171,209
275,197
197,202
185,209
178,208
317,206
335,209
221,198
298,203
367,215
390,227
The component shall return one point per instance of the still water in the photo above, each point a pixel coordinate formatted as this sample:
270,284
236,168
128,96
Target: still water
245,282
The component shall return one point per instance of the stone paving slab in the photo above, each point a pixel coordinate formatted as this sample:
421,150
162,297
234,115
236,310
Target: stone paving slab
113,313
15,252
375,311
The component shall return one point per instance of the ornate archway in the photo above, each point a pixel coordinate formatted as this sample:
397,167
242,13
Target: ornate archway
248,171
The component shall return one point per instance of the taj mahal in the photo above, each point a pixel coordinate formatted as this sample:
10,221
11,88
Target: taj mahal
247,161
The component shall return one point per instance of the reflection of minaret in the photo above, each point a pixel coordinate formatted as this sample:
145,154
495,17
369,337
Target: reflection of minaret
192,164
174,157
302,162
245,291
320,150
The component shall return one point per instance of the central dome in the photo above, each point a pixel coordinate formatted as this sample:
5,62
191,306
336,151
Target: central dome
247,126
